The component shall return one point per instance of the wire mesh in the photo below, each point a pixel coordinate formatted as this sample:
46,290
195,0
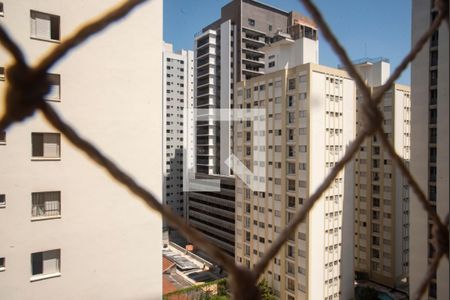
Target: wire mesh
27,86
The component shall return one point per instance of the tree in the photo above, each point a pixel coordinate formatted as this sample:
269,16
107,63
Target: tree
266,291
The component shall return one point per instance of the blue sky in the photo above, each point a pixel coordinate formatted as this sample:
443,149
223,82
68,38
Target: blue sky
365,28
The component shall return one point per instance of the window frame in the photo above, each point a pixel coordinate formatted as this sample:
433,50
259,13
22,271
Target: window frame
44,157
2,200
52,20
54,80
34,205
35,264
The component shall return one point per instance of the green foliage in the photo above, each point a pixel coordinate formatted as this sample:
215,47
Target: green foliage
203,295
266,291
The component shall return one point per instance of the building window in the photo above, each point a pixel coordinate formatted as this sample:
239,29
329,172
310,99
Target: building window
2,12
2,73
2,137
291,84
2,264
44,26
290,284
270,27
251,22
45,263
55,87
271,64
45,204
46,145
2,200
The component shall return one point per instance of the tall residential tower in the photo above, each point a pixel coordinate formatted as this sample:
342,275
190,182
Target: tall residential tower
227,51
67,229
429,145
308,121
178,123
381,191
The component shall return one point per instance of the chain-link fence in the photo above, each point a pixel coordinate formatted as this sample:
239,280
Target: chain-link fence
27,86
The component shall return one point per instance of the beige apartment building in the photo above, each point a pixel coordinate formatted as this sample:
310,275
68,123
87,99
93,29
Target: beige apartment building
429,145
381,191
67,230
309,121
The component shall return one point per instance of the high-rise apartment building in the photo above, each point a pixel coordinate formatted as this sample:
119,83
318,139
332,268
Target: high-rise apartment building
227,51
381,191
429,145
178,123
309,121
67,229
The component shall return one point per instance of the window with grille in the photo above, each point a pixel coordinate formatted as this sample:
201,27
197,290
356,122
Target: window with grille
45,204
46,145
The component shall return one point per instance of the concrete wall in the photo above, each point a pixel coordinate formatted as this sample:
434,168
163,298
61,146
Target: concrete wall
111,92
420,84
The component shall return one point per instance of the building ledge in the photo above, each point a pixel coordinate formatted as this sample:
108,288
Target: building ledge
45,158
44,276
33,219
45,40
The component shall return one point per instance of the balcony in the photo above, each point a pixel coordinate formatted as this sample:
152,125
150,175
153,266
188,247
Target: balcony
205,81
203,161
205,51
205,72
253,61
205,123
251,71
257,41
205,91
201,63
204,140
205,102
205,151
253,32
248,49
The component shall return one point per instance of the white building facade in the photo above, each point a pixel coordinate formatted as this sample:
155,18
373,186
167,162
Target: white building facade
68,230
429,145
178,123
